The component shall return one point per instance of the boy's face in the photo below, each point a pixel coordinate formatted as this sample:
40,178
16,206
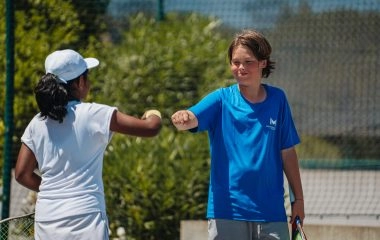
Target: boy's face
245,67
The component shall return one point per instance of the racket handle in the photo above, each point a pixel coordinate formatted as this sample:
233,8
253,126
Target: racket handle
298,220
298,224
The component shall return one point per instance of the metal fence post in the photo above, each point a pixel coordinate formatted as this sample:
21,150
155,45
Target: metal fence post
160,10
8,115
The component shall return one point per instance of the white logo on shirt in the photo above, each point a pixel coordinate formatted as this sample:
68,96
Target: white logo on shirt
272,124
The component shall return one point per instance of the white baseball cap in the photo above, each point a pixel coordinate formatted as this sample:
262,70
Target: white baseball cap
68,64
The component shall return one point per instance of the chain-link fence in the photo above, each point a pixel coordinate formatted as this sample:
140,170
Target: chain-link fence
327,56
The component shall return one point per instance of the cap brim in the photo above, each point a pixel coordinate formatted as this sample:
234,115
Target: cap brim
91,62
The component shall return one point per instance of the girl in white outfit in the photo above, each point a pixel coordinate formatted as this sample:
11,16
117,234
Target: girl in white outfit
66,142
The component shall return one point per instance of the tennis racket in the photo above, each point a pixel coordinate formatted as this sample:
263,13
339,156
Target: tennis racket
19,227
297,230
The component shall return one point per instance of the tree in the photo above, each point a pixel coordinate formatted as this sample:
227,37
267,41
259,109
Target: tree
153,184
90,13
169,64
93,16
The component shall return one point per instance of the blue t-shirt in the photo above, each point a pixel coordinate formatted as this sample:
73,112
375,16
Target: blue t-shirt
246,139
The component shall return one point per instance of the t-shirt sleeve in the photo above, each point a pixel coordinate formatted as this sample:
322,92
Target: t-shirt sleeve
289,135
27,137
101,119
206,110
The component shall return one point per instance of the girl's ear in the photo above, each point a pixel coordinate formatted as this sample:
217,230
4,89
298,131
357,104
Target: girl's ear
262,63
82,81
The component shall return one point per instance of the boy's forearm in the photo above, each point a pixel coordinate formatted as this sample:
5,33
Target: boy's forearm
292,172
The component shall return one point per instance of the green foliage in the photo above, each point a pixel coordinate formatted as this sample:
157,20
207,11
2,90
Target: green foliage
312,147
33,27
152,184
168,64
357,147
91,15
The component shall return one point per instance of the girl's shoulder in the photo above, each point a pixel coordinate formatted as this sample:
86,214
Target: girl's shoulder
93,105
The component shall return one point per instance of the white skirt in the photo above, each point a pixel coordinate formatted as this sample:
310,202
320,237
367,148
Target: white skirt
93,226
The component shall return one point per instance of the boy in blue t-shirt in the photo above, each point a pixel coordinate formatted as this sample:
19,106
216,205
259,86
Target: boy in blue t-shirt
252,143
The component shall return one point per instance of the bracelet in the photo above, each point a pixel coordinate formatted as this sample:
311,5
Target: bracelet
298,199
152,112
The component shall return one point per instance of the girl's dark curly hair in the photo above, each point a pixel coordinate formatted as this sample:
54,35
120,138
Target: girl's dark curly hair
52,97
